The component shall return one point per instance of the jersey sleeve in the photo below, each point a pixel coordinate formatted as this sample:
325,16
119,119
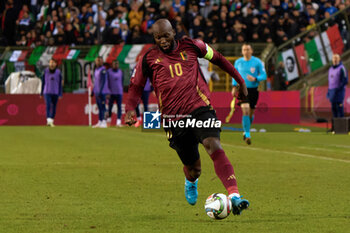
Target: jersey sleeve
42,84
137,84
205,51
60,88
343,77
103,80
262,72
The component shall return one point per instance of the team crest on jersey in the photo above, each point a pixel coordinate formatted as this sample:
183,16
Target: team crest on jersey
158,60
183,55
252,69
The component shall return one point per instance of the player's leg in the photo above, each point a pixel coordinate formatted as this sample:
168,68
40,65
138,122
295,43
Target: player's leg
103,111
253,100
334,109
98,103
193,171
210,138
119,99
47,98
251,115
54,100
186,146
145,97
111,100
224,170
340,107
246,122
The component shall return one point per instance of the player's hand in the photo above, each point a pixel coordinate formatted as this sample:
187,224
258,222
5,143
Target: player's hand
244,89
251,78
234,90
130,118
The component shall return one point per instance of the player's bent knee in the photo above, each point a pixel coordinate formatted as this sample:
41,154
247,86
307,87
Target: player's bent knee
212,144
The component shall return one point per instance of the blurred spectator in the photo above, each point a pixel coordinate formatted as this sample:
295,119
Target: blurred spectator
135,15
114,37
280,37
100,14
70,36
90,26
135,37
8,22
87,22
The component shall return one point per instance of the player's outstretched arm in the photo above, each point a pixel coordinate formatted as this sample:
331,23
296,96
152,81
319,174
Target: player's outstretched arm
226,66
216,58
137,84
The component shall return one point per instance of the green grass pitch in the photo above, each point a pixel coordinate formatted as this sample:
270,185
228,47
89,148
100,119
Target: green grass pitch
78,179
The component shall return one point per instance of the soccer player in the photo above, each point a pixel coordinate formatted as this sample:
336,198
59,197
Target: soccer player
173,69
100,91
115,81
337,81
253,72
51,88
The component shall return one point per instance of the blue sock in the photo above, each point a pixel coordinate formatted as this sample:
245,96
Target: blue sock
246,125
252,119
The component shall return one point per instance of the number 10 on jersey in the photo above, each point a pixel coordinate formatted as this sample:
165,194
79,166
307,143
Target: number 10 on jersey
177,68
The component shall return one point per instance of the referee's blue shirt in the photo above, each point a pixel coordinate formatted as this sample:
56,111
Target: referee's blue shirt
253,67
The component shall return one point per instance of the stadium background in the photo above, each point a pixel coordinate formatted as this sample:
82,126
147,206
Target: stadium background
76,32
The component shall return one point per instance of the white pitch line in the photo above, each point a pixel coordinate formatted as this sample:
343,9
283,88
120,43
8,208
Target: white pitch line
288,152
322,149
270,150
340,146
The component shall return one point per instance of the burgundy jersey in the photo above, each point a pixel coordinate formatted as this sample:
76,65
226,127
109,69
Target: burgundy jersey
176,77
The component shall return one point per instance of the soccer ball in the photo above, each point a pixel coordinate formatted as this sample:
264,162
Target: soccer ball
218,206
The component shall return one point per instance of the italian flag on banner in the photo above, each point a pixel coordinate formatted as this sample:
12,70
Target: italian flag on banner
127,55
123,54
47,55
114,53
327,45
104,51
63,52
133,54
290,65
35,56
93,53
72,54
18,55
315,53
60,53
302,58
335,39
332,41
7,56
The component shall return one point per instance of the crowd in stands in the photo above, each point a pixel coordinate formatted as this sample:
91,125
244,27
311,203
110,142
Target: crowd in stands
88,22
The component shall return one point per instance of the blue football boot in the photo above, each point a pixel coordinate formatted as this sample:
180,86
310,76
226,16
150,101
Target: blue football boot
239,204
191,192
